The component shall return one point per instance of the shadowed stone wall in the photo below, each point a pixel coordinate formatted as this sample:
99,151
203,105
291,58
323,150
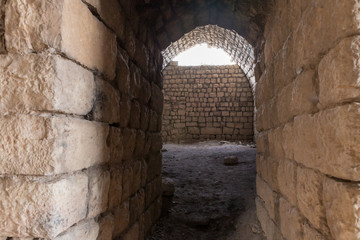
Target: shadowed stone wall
206,102
81,106
308,111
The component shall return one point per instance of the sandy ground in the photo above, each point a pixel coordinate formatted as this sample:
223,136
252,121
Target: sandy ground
211,201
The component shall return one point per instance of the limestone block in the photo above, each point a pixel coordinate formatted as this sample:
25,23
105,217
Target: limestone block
140,144
136,177
107,103
121,218
329,141
112,14
135,81
311,233
341,200
137,205
154,166
157,99
309,195
133,233
339,73
156,143
288,140
129,142
269,172
125,106
284,104
99,183
210,131
264,191
144,121
116,186
304,97
122,71
39,145
127,182
290,220
145,92
275,143
59,85
116,145
267,224
314,36
286,176
262,142
135,115
106,227
87,230
66,25
47,201
152,191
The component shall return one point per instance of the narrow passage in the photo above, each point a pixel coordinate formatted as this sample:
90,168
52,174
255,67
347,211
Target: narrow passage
211,201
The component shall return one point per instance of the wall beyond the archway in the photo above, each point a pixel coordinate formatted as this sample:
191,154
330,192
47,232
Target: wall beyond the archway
206,103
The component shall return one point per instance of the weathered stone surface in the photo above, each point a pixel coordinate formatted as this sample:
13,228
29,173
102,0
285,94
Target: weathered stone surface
65,25
112,14
106,227
59,85
268,196
153,166
121,218
116,186
129,142
341,200
125,106
99,183
137,205
330,143
50,145
309,194
267,224
107,103
87,230
290,220
275,143
135,115
116,145
152,191
288,141
304,97
286,176
339,73
52,206
311,233
133,233
157,98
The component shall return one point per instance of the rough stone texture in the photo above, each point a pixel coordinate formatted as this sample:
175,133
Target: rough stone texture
290,220
54,144
286,176
99,183
206,102
59,85
106,228
65,25
341,200
332,145
48,206
88,230
231,160
268,196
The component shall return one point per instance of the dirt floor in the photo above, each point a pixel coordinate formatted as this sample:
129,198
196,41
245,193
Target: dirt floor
211,201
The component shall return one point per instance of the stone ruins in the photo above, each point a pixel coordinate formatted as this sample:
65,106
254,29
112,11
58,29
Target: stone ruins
81,101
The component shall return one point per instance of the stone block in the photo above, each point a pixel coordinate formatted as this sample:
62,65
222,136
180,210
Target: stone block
107,103
152,191
121,218
116,188
264,191
106,227
290,220
135,115
116,145
122,71
329,141
37,145
339,73
267,224
157,98
137,206
47,201
111,13
284,103
309,195
304,96
210,131
125,109
129,142
311,233
99,184
66,25
59,85
275,143
286,176
86,230
288,140
133,233
341,200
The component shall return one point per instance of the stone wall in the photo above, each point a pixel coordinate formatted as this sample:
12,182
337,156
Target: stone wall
81,104
206,102
307,97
